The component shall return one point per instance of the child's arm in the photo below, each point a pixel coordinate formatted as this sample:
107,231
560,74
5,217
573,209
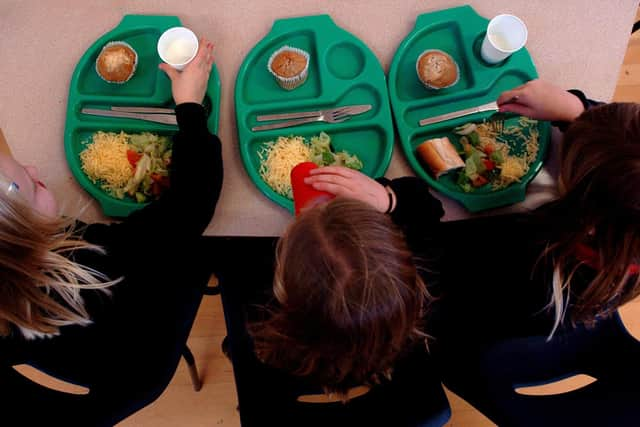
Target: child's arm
344,182
186,207
415,207
407,199
542,100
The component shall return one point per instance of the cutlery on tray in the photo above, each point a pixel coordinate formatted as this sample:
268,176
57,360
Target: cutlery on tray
491,106
334,115
151,114
154,110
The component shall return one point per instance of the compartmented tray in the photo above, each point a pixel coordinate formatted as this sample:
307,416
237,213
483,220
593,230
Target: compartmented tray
149,86
342,71
459,32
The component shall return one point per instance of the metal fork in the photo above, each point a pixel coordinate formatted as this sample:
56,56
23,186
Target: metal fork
335,116
497,119
496,123
300,114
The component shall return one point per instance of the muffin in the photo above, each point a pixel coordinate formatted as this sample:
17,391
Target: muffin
117,62
437,69
289,66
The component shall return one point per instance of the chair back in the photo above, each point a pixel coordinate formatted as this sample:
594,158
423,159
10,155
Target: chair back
126,358
413,397
605,351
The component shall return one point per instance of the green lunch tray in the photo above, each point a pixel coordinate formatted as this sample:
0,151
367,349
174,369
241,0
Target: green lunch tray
459,32
342,71
149,87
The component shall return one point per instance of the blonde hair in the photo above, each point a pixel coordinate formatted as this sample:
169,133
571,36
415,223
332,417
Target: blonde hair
350,298
40,288
599,207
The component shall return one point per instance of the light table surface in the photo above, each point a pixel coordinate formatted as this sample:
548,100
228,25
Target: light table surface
572,45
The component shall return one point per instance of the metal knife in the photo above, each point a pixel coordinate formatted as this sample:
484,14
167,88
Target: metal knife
154,110
492,106
167,119
351,109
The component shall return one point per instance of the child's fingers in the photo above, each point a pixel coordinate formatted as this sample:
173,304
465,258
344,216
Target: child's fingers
337,184
508,95
209,58
201,55
202,46
171,72
335,189
334,170
328,178
520,109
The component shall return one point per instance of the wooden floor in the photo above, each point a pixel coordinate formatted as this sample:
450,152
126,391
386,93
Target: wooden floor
628,88
215,404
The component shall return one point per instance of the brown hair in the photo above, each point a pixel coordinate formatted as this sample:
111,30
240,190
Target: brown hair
599,206
349,298
40,286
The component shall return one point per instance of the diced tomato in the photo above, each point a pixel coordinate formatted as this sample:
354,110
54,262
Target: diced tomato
489,148
467,148
159,184
155,188
489,164
161,180
133,157
479,181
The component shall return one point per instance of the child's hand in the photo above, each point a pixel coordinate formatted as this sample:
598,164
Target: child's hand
346,182
541,100
190,84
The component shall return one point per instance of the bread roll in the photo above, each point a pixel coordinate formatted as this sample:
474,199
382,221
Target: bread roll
440,155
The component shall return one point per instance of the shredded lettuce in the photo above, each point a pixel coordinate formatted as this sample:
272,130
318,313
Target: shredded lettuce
156,156
322,155
350,161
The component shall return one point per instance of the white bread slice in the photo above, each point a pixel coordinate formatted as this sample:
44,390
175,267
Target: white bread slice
440,155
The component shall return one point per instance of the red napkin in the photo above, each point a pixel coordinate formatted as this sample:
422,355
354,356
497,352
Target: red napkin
305,195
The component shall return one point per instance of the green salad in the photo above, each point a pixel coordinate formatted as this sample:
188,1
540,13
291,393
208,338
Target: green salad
150,155
279,157
134,165
322,155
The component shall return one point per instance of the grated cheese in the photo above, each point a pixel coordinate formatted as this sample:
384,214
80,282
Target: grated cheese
278,158
512,169
106,159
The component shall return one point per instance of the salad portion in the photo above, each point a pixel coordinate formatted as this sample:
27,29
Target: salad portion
322,155
496,158
279,157
134,165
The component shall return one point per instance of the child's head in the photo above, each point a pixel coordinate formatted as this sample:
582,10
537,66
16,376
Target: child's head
600,207
40,286
24,180
350,299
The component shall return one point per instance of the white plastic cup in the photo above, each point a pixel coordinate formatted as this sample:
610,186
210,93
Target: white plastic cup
505,35
177,47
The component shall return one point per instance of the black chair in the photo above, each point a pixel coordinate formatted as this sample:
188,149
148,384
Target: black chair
196,381
133,369
606,352
266,396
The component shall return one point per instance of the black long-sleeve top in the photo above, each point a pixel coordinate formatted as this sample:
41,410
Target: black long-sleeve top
156,253
245,291
494,282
